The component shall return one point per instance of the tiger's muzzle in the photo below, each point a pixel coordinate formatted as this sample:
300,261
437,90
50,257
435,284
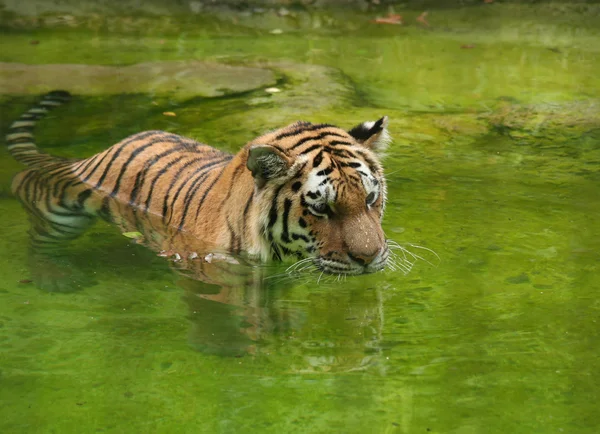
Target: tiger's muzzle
351,264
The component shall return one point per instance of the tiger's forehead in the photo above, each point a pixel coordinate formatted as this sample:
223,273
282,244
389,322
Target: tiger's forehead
302,137
318,140
338,182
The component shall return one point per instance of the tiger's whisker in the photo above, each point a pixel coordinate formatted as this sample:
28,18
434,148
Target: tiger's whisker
424,248
294,266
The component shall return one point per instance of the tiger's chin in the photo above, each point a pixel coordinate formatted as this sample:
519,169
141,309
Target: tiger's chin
338,267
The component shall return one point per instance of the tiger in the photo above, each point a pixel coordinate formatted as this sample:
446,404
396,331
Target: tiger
306,192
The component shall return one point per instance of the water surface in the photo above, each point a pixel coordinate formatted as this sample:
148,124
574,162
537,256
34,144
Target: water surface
495,167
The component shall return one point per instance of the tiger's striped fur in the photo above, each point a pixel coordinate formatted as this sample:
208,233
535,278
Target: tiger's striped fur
306,190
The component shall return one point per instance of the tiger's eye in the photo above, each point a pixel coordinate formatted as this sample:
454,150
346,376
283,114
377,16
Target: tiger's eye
320,208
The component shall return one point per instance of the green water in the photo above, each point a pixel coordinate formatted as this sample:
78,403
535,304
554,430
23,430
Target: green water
495,167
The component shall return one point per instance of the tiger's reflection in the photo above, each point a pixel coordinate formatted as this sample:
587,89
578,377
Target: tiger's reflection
238,307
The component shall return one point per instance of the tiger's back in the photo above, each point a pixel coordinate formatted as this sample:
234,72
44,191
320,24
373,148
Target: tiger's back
154,172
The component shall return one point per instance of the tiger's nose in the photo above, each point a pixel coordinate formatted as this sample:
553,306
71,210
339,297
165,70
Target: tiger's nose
364,258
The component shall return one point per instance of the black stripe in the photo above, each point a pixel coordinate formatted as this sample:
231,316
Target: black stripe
191,191
61,96
24,181
119,147
273,210
339,142
102,156
233,239
233,180
173,181
317,137
85,164
32,116
246,210
304,129
373,166
299,171
113,158
148,164
308,139
304,238
354,165
125,166
287,205
60,188
20,129
203,174
21,140
325,171
160,174
318,159
208,190
310,149
276,254
83,196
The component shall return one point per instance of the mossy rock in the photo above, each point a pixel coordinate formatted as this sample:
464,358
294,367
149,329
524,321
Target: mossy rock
181,79
552,120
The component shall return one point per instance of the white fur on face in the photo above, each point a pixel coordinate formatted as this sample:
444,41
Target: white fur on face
314,185
371,184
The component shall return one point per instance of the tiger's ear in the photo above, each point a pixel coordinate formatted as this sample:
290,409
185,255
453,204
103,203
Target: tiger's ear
266,162
372,135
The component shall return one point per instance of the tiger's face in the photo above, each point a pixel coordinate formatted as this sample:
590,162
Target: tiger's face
321,192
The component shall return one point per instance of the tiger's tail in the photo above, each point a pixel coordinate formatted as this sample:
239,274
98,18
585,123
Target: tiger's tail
20,141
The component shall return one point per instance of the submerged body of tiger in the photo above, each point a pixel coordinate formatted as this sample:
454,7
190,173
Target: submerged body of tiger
303,191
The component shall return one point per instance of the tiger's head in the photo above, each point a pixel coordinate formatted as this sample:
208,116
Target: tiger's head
321,193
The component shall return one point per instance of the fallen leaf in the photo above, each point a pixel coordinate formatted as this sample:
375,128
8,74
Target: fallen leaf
390,19
272,90
169,114
25,281
133,235
467,46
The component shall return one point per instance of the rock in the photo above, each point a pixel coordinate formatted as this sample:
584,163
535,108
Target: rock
184,79
551,120
313,91
516,280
